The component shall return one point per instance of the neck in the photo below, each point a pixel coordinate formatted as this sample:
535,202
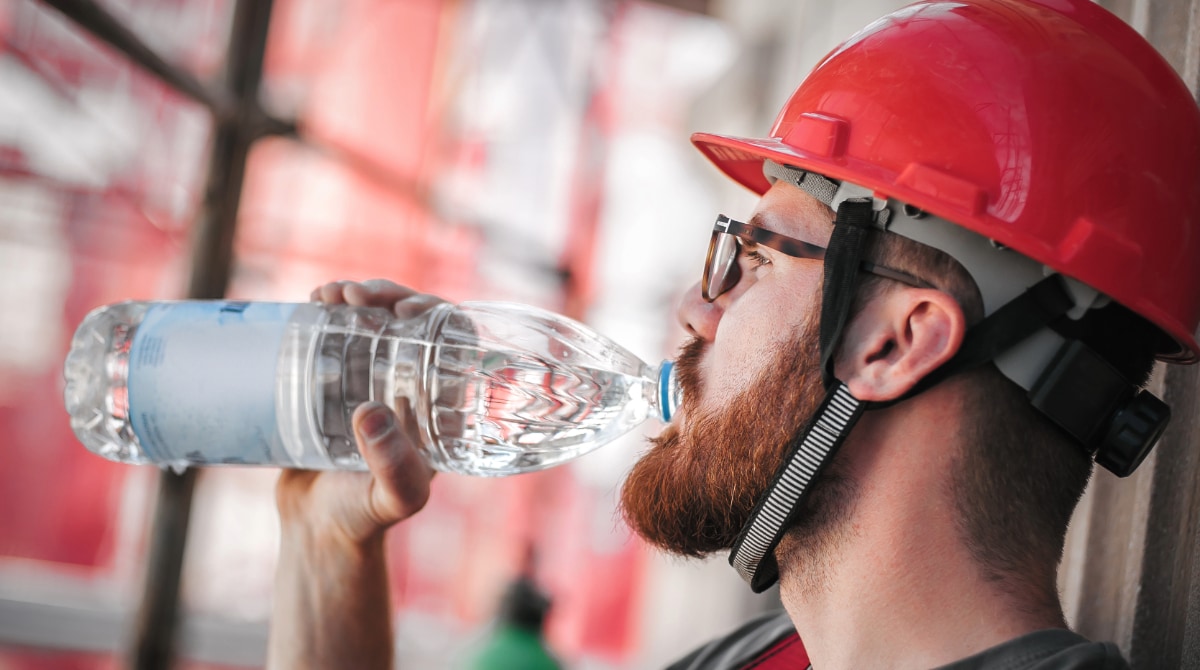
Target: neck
893,585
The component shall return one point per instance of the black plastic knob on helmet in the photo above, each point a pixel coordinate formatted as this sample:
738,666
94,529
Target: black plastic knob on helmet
1085,396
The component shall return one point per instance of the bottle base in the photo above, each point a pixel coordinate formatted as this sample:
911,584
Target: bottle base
96,371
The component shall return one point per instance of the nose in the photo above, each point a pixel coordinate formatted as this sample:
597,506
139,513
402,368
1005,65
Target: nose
697,316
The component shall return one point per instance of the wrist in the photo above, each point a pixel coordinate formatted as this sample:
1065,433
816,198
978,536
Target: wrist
320,510
326,575
325,540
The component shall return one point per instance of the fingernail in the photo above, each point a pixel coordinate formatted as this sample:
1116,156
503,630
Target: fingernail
377,422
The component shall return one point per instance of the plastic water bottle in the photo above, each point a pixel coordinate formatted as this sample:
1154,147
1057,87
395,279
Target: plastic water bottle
495,388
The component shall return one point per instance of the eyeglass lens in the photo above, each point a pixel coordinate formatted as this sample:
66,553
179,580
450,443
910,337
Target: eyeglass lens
722,272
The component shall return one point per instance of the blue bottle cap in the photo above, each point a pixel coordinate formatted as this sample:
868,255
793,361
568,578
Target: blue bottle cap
669,394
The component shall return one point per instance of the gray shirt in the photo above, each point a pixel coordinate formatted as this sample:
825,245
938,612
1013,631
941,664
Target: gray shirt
750,647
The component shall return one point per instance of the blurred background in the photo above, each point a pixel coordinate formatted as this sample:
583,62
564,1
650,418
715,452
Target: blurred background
531,150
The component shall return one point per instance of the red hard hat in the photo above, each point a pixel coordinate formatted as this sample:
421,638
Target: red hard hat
1048,126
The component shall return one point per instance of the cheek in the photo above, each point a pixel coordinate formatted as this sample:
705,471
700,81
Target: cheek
749,338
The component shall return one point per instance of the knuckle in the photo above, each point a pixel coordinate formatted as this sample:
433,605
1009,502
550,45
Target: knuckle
413,499
398,503
416,304
408,484
377,293
379,285
332,292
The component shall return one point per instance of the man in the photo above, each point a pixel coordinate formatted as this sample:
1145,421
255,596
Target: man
976,233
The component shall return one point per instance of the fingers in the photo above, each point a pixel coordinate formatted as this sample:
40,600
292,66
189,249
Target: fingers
404,301
415,305
401,475
330,294
376,293
373,292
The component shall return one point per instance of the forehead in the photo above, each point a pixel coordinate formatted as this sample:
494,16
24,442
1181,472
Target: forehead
788,210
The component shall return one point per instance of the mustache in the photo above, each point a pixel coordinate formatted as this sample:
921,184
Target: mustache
687,369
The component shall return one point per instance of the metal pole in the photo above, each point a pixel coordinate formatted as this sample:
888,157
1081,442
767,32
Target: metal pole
212,240
212,254
238,122
103,25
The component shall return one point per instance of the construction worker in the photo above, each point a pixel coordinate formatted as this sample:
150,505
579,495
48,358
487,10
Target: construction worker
978,229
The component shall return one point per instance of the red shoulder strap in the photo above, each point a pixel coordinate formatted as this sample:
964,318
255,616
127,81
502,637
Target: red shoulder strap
787,654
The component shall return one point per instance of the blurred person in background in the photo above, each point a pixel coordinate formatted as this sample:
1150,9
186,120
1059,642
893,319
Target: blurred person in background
976,234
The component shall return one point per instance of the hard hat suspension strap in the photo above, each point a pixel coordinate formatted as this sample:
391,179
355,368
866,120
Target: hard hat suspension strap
1039,306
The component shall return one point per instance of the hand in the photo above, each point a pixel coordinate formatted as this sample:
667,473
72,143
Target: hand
331,604
356,507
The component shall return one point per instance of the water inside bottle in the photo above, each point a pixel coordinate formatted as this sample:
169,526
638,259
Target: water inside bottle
504,412
513,388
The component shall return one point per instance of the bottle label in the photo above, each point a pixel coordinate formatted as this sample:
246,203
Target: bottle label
202,379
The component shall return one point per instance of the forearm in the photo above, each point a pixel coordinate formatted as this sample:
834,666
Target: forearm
331,607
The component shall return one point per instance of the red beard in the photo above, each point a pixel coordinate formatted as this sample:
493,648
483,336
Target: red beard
696,487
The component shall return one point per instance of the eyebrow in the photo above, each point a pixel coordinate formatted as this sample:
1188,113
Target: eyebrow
757,221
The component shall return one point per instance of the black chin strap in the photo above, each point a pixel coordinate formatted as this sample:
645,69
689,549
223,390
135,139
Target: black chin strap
812,447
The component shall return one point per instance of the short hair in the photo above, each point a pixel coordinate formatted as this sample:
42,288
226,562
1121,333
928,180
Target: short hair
1019,477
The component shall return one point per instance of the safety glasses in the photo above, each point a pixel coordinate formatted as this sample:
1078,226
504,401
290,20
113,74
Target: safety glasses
722,271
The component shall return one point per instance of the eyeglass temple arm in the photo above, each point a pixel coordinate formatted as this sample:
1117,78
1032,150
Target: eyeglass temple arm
894,275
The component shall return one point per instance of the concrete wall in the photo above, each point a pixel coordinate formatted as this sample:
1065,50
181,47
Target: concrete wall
1132,570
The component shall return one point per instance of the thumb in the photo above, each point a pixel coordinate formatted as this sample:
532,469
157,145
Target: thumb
400,474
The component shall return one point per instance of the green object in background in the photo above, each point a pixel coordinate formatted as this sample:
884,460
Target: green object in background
514,648
516,643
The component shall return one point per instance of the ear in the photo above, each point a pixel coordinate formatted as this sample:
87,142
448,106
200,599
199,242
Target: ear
896,339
